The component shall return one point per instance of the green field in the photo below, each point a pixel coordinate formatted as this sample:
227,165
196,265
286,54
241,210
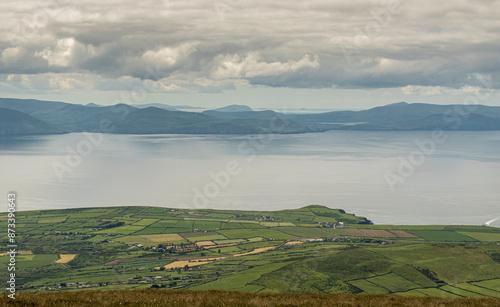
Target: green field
242,280
207,238
289,251
479,290
459,291
441,236
493,284
437,292
246,233
206,225
145,222
483,236
393,282
368,286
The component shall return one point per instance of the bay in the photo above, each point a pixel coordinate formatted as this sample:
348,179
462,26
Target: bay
385,176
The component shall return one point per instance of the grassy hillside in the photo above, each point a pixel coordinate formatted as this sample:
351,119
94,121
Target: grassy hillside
217,298
268,114
18,123
395,112
474,122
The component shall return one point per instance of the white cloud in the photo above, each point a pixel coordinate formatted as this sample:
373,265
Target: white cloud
52,82
169,56
20,81
429,48
421,90
439,90
12,54
234,66
65,51
61,83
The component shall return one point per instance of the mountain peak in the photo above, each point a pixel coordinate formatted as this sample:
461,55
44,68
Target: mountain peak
234,108
398,104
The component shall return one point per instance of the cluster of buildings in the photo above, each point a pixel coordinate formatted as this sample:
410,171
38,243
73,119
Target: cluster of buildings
136,280
331,225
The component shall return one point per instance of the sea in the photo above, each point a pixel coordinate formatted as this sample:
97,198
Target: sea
421,177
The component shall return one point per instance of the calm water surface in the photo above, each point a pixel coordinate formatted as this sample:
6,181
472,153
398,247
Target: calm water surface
459,183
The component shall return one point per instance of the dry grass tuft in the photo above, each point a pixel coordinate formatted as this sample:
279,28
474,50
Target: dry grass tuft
217,298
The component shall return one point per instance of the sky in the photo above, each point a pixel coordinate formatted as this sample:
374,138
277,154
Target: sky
266,54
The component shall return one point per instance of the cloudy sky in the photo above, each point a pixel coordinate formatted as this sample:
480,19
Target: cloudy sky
275,53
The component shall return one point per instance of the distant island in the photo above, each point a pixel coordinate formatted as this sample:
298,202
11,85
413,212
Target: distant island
27,116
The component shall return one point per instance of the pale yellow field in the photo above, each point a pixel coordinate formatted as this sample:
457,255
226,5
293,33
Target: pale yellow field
255,251
191,263
270,224
205,243
65,258
181,264
168,237
314,240
294,242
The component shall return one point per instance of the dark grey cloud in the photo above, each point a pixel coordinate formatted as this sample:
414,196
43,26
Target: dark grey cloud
217,44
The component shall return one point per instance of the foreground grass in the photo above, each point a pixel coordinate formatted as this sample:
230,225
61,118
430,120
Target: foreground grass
217,298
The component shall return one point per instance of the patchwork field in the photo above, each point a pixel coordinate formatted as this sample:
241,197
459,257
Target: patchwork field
373,233
441,236
165,238
302,250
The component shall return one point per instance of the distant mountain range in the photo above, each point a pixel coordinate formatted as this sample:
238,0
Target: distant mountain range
393,117
27,116
121,118
165,106
396,112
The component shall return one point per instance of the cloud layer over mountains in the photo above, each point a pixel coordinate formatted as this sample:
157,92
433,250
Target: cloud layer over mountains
209,46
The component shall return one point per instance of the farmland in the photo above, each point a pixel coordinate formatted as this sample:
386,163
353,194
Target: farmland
311,249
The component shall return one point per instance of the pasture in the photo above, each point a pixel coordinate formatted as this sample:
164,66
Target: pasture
130,247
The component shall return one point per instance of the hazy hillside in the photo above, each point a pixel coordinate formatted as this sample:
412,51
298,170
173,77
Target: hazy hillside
393,113
13,122
156,105
73,117
31,106
474,122
268,114
154,120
